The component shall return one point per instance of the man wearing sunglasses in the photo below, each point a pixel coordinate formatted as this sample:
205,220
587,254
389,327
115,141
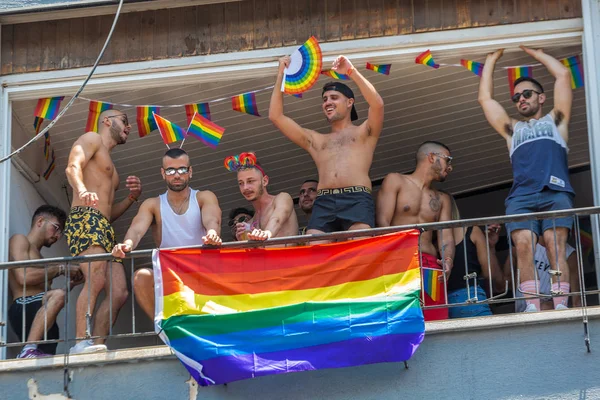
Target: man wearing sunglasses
31,289
538,153
94,180
407,199
179,217
238,216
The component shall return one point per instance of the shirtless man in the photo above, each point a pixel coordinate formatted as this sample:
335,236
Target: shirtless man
306,199
538,153
274,216
179,217
343,157
46,228
94,179
411,199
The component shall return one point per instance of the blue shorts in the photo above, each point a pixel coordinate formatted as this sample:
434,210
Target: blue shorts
475,310
546,200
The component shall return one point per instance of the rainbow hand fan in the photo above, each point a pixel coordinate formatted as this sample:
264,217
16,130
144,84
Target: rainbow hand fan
304,69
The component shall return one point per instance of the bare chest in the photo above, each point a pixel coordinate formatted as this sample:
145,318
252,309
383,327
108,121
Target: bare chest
420,205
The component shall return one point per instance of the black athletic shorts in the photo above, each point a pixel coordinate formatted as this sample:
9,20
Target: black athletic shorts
337,210
32,304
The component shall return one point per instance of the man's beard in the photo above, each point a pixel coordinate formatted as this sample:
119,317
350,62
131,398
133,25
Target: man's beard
260,192
178,187
115,133
531,111
437,168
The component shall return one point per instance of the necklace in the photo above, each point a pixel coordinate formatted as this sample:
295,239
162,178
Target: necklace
177,210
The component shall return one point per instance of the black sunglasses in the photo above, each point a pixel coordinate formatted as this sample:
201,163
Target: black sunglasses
125,120
180,171
234,221
527,93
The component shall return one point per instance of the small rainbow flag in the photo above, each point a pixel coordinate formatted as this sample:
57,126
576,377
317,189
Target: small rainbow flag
50,168
206,131
245,103
145,122
47,145
381,68
431,283
200,108
48,108
230,315
96,108
169,131
576,67
516,73
426,58
473,66
332,74
37,124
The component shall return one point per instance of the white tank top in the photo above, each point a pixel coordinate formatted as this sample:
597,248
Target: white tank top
181,230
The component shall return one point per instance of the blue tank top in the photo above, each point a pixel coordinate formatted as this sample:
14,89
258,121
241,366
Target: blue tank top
539,158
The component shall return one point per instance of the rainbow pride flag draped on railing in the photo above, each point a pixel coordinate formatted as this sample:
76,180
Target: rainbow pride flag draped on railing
236,314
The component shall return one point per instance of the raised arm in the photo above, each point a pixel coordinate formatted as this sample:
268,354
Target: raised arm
81,153
302,137
563,94
134,185
139,226
445,237
374,122
18,250
211,217
493,111
386,200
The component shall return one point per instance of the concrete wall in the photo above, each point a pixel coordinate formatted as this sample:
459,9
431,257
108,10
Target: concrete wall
503,357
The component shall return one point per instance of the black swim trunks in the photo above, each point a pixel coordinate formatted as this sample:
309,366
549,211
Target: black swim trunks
31,304
337,210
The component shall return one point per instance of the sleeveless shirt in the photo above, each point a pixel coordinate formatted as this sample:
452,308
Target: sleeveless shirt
181,230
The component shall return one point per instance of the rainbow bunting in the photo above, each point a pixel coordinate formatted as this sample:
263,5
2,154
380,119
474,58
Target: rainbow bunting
233,314
145,122
48,108
298,95
432,284
576,67
96,108
332,74
426,58
169,131
516,73
47,145
303,70
245,103
473,66
51,167
206,131
37,124
381,68
200,108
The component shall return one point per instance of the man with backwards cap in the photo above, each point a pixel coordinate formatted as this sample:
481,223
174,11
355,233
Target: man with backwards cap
343,156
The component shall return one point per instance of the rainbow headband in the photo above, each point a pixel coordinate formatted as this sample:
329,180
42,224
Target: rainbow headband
242,161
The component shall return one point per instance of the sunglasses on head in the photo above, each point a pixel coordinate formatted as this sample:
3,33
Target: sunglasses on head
234,221
527,93
180,171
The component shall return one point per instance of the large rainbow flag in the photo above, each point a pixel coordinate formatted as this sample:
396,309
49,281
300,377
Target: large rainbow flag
237,314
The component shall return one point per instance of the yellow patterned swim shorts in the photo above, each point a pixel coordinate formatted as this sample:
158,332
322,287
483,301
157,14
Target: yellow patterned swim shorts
87,227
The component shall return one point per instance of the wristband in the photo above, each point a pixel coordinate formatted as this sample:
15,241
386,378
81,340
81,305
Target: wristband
132,198
350,71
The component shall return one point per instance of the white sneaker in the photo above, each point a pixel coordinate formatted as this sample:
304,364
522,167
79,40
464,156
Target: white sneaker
531,308
87,346
561,306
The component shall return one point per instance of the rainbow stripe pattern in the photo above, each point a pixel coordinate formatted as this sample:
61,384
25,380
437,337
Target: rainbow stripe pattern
47,108
245,103
516,73
200,108
169,131
145,120
96,108
576,67
232,314
50,167
332,74
432,284
473,66
205,130
426,58
381,68
308,61
37,124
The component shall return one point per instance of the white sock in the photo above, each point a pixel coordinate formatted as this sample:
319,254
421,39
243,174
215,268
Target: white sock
29,347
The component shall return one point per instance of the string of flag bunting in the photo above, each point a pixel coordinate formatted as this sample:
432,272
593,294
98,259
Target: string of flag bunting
301,75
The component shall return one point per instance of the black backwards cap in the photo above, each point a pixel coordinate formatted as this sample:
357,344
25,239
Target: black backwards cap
346,91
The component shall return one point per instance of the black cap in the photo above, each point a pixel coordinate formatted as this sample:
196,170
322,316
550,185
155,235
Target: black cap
346,91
